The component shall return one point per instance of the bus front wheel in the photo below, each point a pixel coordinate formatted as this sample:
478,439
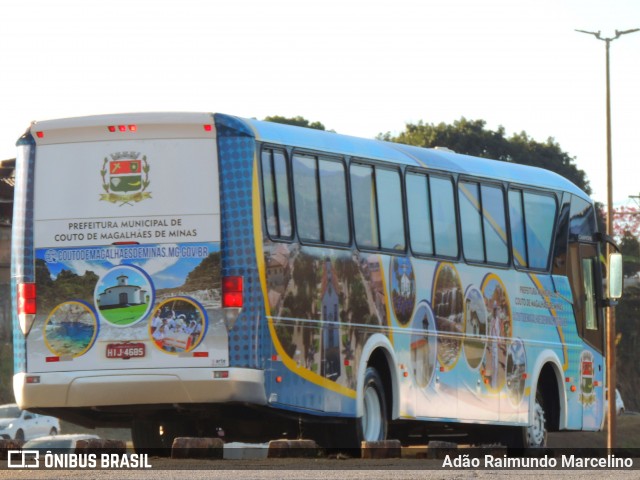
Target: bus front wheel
372,426
535,434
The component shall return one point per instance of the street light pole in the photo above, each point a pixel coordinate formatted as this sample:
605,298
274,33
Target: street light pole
611,318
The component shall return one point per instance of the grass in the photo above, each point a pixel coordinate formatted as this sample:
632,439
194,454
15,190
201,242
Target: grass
124,315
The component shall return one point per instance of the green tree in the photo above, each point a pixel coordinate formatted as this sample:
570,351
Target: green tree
471,137
296,121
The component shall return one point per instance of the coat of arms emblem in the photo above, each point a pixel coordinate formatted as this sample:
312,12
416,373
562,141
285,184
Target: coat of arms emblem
125,178
587,392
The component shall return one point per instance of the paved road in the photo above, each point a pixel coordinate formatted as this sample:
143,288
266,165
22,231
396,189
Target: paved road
312,469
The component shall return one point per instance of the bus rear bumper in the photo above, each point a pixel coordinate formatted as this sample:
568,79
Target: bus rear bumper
139,387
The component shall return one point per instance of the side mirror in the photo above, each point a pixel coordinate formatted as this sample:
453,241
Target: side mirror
614,276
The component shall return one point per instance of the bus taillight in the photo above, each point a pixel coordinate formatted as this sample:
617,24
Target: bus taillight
26,305
231,300
232,292
27,298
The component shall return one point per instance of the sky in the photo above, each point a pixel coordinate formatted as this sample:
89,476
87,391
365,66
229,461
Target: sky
359,67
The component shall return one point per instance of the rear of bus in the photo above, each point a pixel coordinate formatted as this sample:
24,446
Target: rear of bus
118,273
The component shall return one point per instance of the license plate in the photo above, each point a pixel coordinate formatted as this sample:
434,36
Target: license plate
125,350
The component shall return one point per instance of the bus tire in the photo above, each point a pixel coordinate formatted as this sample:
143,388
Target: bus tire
535,434
372,425
145,435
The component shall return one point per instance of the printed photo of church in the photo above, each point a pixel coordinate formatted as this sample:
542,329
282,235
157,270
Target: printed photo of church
122,294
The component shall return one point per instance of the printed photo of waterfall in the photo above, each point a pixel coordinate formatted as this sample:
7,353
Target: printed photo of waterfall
70,329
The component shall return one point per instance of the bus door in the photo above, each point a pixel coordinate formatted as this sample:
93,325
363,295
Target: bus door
585,278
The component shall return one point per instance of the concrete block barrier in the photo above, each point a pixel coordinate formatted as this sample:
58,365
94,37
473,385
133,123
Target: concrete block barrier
438,449
101,445
194,447
6,444
382,449
293,449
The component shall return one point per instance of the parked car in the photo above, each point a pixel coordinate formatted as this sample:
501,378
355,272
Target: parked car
24,425
619,403
58,442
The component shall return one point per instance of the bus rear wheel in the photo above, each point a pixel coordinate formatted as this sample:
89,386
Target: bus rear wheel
145,434
372,426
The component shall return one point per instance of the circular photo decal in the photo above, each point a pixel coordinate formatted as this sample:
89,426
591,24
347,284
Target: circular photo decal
70,329
499,331
423,345
124,295
448,307
403,289
516,370
177,325
475,327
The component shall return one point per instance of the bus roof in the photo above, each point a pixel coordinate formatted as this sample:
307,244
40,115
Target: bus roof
307,138
436,159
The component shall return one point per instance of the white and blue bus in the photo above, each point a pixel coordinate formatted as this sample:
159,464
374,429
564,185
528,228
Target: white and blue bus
186,273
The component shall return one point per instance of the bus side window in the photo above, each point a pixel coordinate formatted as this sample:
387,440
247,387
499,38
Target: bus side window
390,214
333,192
419,213
275,188
518,237
533,216
540,215
444,215
591,322
306,197
483,223
471,221
365,217
320,193
495,224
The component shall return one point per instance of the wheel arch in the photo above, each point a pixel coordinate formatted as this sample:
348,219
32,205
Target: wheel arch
548,377
378,353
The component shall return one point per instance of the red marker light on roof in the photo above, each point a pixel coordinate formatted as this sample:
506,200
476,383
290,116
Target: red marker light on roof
122,128
208,128
133,128
40,134
112,128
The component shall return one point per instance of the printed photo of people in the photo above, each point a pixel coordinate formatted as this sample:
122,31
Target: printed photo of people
177,325
500,330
